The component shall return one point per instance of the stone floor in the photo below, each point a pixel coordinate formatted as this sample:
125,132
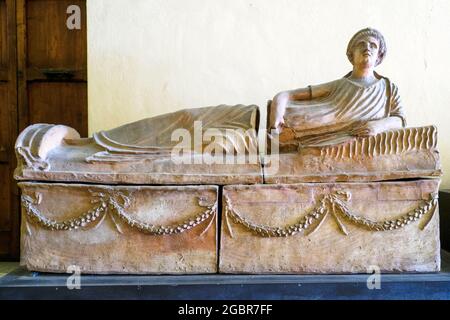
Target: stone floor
17,283
7,267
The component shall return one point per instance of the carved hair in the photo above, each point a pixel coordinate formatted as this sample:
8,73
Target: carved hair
367,32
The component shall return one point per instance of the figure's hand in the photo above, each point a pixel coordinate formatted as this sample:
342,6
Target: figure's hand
276,124
277,110
369,128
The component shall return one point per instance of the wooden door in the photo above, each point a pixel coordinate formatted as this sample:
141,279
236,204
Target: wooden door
9,205
43,78
52,60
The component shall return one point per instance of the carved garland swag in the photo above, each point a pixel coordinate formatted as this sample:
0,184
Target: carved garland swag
331,204
116,204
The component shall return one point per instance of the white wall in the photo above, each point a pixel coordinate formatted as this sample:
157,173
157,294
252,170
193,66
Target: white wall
148,57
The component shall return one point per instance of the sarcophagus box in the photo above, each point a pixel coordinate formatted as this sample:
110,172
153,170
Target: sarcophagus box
119,229
331,228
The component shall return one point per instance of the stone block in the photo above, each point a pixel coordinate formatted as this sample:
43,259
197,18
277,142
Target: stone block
119,229
331,227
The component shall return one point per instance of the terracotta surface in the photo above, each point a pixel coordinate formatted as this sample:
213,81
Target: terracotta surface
323,246
122,239
142,152
391,155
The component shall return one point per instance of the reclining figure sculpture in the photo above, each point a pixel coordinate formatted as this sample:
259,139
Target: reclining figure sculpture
362,103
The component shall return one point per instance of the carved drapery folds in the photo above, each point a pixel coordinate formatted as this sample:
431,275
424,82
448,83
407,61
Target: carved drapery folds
36,141
385,143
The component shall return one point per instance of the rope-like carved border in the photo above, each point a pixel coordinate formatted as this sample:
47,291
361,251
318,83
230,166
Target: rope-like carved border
331,204
114,204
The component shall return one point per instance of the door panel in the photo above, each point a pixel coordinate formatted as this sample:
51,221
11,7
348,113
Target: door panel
5,129
52,63
50,43
6,206
42,79
5,243
3,36
9,202
58,102
5,199
51,46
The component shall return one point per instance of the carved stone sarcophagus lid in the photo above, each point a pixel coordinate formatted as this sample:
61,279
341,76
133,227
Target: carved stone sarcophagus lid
169,149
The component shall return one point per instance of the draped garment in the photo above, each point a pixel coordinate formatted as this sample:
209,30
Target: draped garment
329,119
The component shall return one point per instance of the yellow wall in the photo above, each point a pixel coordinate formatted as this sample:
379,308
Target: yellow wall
148,57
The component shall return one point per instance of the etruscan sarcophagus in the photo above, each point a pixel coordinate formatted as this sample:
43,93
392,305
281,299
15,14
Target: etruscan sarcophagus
345,186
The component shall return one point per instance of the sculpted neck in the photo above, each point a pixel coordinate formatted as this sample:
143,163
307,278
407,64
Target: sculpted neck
363,75
362,72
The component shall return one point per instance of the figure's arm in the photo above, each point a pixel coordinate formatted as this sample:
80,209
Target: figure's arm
282,100
374,127
395,120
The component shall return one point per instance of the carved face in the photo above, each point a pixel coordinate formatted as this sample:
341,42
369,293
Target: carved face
365,52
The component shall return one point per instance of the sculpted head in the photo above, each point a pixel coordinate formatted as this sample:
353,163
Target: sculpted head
367,45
